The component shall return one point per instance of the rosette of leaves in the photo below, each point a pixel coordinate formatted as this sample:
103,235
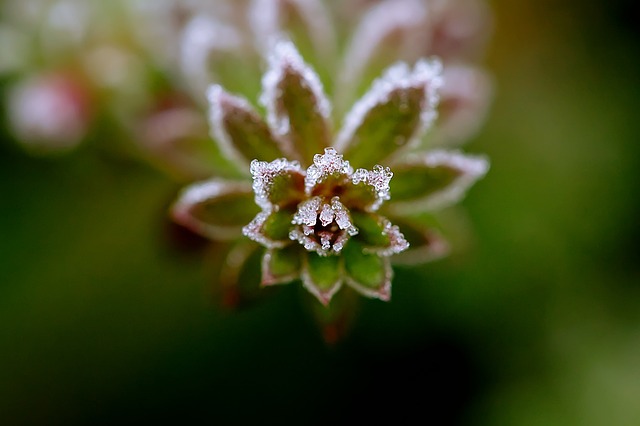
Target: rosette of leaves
328,208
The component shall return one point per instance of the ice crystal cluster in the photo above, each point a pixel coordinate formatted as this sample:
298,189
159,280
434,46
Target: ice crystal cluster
327,204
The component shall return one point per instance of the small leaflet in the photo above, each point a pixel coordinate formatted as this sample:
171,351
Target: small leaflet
285,56
264,173
426,74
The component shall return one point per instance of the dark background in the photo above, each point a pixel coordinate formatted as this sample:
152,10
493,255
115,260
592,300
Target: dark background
103,318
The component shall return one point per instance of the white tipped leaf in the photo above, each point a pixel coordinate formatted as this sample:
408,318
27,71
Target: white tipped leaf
241,132
297,108
392,115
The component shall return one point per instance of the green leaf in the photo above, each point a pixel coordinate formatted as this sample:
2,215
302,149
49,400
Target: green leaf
242,133
367,273
297,106
391,116
387,127
278,183
287,189
281,265
216,209
322,275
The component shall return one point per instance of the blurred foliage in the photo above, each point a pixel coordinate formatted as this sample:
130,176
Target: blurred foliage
107,315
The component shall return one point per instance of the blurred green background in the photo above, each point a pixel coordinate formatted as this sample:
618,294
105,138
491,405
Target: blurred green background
103,318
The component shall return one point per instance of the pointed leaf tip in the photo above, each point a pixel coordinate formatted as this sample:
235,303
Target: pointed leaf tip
298,111
322,276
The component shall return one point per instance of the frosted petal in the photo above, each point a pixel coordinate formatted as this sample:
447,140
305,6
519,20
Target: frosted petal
340,241
325,165
284,56
275,182
297,109
435,179
393,114
237,127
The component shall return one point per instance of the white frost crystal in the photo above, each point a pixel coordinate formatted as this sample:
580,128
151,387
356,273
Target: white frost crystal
308,212
322,227
379,179
325,165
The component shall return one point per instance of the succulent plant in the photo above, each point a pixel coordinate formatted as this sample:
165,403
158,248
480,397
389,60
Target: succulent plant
327,205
